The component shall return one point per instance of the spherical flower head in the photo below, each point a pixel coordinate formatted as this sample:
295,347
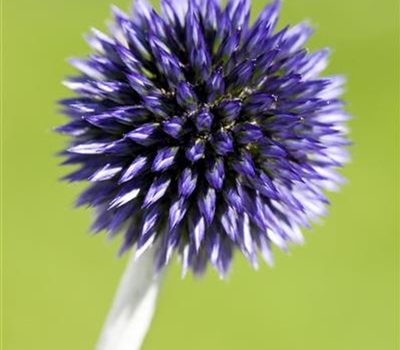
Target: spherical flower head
204,133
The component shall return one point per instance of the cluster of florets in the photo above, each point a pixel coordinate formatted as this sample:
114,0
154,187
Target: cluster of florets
202,133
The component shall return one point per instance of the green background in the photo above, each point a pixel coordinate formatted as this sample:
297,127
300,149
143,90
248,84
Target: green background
339,291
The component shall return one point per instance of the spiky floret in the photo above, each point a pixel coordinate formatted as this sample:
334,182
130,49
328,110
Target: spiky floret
203,132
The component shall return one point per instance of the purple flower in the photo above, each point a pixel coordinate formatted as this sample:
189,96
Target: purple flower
203,132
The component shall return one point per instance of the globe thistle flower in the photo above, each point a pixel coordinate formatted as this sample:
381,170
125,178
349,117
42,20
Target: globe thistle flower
203,132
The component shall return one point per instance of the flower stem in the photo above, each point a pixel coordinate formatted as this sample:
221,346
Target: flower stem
134,305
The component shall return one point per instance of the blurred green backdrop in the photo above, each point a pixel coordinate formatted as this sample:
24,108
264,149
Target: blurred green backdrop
339,291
